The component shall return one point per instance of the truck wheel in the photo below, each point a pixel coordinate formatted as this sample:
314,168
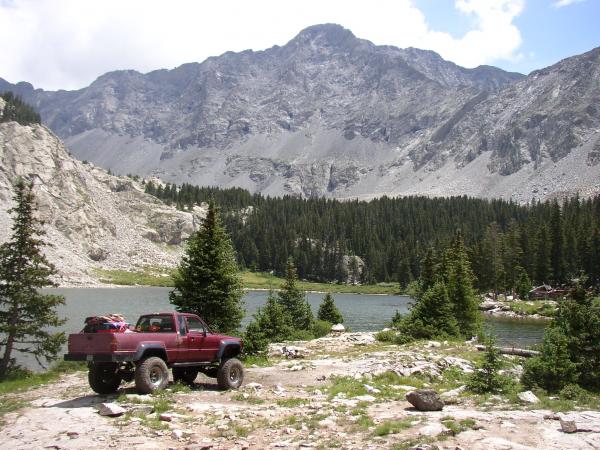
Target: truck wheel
230,374
151,374
104,378
187,375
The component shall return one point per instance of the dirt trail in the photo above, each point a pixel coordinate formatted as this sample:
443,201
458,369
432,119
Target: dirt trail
292,404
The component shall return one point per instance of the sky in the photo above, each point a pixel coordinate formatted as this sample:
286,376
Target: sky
67,44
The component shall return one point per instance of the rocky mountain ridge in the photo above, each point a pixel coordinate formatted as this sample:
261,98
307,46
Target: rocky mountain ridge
329,114
93,220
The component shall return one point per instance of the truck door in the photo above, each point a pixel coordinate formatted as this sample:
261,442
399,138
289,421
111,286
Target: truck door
196,334
203,345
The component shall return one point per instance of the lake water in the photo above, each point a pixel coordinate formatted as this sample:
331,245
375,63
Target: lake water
361,312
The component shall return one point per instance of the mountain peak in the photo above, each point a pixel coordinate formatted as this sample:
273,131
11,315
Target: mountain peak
329,34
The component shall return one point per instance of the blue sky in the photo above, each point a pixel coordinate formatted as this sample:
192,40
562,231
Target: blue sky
549,32
66,44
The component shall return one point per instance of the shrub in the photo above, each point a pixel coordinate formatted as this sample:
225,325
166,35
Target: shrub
321,328
386,336
486,377
573,392
553,368
328,312
270,324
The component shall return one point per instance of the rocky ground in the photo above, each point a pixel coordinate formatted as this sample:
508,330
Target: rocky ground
340,392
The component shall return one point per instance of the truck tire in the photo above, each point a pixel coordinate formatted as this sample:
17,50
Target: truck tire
230,374
186,375
104,378
151,374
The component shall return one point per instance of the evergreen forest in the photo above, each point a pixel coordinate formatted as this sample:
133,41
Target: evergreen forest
508,244
17,110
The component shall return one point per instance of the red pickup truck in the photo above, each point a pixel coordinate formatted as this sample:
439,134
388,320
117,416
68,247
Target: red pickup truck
159,341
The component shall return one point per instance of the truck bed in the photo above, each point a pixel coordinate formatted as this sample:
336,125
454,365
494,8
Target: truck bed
114,346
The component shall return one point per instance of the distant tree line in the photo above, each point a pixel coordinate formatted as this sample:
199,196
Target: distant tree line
17,110
509,245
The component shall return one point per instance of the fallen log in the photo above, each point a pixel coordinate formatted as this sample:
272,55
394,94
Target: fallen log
511,351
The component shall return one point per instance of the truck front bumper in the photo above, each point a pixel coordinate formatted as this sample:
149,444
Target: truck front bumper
101,357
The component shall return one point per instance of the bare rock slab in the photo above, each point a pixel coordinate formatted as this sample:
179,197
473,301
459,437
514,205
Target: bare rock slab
425,400
528,397
110,409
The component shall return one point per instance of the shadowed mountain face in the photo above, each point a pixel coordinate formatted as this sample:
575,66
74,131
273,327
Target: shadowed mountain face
329,114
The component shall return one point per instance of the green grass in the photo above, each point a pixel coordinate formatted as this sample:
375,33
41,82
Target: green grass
251,399
256,360
147,276
157,276
346,385
532,307
291,402
24,380
392,427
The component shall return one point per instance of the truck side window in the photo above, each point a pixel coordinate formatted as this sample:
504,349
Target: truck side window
182,326
195,325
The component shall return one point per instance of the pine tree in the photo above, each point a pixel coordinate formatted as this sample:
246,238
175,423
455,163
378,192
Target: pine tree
207,281
493,258
328,312
543,267
486,377
26,313
432,315
523,284
557,250
270,324
460,288
293,300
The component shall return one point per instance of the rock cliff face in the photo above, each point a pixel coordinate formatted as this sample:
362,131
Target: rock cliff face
329,114
94,220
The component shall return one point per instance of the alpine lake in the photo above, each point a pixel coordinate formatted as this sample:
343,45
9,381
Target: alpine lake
361,312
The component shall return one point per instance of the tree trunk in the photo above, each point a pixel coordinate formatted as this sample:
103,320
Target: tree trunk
10,342
511,351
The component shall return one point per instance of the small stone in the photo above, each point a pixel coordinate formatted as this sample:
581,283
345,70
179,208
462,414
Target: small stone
365,398
177,434
321,377
552,416
141,409
454,392
568,426
338,328
326,423
255,386
72,434
528,397
372,390
165,417
110,409
433,344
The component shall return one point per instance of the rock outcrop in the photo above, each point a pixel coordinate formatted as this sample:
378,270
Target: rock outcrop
94,220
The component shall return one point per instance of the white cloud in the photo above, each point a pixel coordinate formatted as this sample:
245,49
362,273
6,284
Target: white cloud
68,43
561,3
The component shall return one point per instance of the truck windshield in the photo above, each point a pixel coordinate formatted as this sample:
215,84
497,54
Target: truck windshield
155,324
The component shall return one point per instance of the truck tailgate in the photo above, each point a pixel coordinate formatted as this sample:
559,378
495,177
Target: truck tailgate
90,343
